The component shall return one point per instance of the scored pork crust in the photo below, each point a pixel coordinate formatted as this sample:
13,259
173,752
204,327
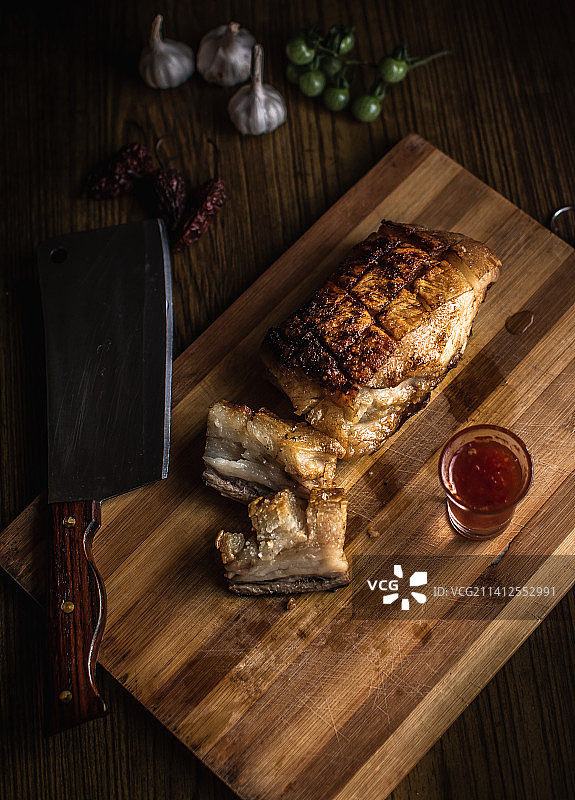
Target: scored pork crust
379,335
292,548
250,454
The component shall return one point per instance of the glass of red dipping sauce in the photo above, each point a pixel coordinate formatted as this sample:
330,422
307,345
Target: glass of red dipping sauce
485,471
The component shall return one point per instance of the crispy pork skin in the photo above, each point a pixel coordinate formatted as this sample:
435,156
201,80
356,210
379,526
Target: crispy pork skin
367,349
251,454
292,548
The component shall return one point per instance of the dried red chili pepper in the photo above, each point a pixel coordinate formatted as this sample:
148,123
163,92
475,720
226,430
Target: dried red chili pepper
119,174
163,193
207,201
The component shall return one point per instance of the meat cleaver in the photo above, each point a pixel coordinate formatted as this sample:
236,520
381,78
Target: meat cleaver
107,305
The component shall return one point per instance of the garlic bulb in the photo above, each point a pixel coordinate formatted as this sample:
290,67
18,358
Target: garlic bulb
257,108
225,55
165,63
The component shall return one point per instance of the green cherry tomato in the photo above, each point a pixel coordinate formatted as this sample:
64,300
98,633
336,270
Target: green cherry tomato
366,108
336,99
330,66
312,83
347,43
298,51
293,73
392,70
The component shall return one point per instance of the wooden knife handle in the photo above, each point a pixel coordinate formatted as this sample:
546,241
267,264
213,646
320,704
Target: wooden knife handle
77,615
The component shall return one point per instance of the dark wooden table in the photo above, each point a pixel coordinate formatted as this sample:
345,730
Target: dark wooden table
502,105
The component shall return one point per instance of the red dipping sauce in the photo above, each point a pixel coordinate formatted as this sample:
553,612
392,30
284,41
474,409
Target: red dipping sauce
485,474
485,470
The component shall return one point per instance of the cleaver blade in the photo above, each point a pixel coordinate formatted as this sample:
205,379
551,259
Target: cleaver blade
107,306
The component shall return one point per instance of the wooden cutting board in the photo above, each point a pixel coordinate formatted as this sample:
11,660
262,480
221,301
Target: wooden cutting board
311,702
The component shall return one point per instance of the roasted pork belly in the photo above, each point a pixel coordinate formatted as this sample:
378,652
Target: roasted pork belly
250,454
292,548
365,352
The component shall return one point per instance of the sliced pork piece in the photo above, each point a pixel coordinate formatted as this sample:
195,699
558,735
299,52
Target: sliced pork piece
250,454
292,548
367,349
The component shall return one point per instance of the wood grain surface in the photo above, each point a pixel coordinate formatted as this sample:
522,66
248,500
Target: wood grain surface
502,108
217,669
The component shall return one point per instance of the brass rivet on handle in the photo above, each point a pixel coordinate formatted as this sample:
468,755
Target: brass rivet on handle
67,606
69,522
65,696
